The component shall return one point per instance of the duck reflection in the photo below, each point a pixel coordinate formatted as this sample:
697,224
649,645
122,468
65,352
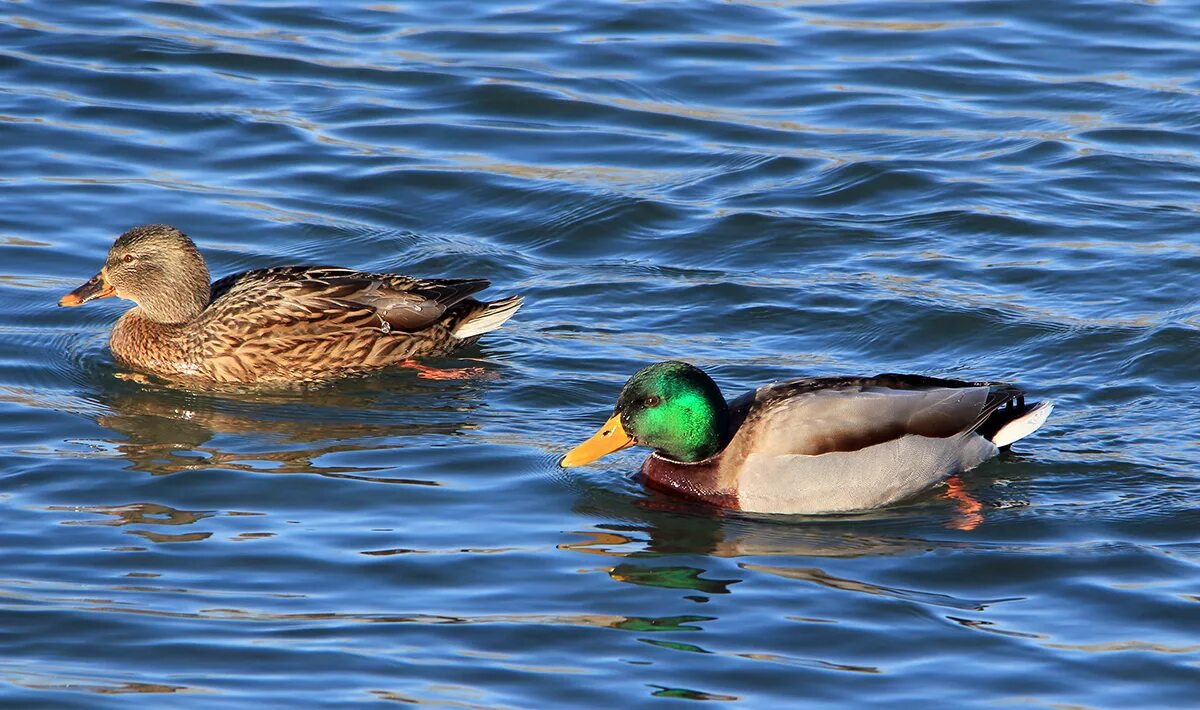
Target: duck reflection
655,528
659,524
655,525
670,578
162,430
148,514
138,514
682,534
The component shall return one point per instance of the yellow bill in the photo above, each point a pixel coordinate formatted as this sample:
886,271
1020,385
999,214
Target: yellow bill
610,438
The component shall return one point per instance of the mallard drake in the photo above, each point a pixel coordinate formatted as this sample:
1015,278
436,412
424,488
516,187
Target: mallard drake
279,325
813,445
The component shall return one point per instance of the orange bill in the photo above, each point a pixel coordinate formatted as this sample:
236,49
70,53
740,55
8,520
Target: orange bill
610,438
96,287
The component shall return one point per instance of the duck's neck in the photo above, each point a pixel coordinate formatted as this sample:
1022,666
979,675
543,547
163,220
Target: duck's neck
176,307
705,482
725,424
713,479
145,344
692,429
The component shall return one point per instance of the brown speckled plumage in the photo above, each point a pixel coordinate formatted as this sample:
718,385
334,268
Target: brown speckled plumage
278,325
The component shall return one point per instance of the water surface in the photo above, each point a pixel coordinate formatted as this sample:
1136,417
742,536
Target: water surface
1003,190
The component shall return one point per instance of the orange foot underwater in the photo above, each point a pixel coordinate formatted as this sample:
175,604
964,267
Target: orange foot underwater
458,373
969,508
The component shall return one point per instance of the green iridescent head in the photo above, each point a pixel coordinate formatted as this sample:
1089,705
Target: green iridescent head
671,407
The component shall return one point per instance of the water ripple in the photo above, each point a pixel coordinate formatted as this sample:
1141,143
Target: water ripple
765,188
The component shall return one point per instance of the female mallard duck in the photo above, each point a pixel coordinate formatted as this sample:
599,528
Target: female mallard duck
814,445
278,325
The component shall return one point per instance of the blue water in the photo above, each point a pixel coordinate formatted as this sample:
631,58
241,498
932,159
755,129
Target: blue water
1001,190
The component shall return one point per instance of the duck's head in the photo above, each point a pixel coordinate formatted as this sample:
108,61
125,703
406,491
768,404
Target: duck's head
671,407
155,266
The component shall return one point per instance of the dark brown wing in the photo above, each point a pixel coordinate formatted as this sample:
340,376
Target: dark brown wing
338,298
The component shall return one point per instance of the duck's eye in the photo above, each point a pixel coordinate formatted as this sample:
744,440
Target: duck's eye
128,258
653,401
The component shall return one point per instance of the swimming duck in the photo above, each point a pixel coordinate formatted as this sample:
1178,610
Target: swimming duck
279,325
813,445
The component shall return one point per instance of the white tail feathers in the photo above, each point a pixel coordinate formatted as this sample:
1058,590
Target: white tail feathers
1023,425
495,315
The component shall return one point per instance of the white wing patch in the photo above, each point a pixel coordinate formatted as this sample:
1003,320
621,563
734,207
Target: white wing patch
496,314
1024,425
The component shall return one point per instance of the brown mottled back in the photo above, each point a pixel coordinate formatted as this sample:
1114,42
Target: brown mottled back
291,324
